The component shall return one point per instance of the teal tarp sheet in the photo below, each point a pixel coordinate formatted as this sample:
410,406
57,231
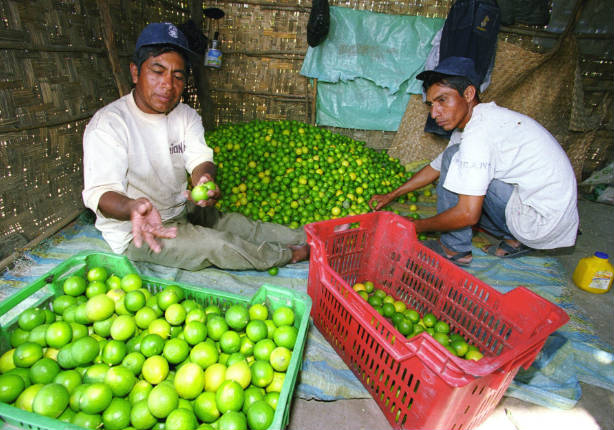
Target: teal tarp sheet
572,354
366,67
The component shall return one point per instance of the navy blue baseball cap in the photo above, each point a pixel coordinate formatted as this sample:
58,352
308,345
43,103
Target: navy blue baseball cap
455,66
163,33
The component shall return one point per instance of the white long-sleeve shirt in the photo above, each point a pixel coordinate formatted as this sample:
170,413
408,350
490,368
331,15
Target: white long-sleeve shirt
140,155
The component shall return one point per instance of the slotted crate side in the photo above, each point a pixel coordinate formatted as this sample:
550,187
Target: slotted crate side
407,391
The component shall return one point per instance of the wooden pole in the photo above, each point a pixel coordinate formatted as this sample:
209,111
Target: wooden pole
123,87
207,106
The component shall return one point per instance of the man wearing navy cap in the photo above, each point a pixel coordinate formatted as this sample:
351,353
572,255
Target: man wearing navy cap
501,171
136,153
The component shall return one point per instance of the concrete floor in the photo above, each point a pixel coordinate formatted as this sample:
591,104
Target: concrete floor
595,410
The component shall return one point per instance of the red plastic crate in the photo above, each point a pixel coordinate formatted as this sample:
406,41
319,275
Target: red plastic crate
417,383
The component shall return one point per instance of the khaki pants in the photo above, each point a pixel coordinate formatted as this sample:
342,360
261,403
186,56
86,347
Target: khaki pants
207,237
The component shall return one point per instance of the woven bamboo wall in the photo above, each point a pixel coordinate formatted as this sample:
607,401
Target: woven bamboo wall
54,74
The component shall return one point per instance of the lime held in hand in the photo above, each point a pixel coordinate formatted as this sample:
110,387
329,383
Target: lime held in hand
200,192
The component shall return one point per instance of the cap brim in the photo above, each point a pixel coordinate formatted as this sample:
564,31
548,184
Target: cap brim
424,74
189,52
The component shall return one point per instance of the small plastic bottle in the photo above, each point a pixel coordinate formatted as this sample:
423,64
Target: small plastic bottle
214,55
594,274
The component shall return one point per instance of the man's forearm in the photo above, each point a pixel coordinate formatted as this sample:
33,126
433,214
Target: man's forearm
115,205
425,176
206,168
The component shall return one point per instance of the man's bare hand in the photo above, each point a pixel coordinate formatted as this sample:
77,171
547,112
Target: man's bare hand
147,225
379,201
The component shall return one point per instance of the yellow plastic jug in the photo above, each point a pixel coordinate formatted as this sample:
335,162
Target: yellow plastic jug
594,274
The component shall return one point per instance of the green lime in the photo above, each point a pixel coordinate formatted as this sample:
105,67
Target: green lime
31,318
51,400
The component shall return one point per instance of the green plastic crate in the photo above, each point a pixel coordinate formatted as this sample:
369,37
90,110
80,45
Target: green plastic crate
41,291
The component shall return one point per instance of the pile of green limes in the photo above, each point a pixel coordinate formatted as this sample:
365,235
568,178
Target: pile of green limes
293,173
409,322
109,353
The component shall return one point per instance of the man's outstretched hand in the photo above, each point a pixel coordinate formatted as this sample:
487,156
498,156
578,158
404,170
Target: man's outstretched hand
147,225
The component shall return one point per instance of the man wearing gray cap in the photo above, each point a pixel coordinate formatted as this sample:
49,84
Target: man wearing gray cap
501,171
137,152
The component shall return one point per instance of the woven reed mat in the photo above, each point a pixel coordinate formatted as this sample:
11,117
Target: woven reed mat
543,86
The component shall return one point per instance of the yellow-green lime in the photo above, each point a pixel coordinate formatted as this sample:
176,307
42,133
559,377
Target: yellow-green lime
120,379
175,314
123,327
176,350
44,371
237,317
117,415
189,381
258,311
99,307
144,317
50,400
283,315
194,332
160,327
214,377
285,336
155,369
204,354
140,391
131,282
263,348
11,386
141,417
70,379
26,398
27,354
205,407
229,396
239,371
134,362
280,358
260,415
162,400
95,398
232,420
181,419
262,373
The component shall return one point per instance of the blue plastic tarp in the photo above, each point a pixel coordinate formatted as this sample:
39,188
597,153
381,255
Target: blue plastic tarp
367,65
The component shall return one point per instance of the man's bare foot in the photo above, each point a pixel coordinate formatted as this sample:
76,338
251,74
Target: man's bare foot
299,252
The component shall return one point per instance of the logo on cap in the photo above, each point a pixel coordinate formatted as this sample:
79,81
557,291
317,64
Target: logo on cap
173,31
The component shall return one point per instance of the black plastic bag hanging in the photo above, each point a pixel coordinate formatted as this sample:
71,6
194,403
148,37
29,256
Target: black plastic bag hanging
197,41
319,22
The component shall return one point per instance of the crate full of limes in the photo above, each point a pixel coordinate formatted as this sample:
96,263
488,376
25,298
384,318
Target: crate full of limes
93,344
435,346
